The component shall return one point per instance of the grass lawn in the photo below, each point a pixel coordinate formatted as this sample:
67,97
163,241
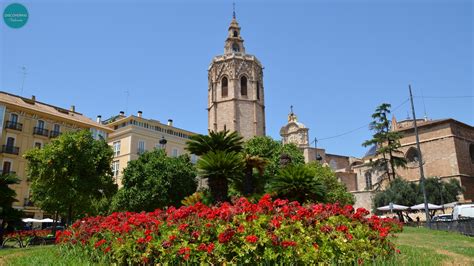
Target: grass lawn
418,246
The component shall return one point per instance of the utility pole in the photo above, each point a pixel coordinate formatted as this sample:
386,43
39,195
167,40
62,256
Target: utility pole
420,161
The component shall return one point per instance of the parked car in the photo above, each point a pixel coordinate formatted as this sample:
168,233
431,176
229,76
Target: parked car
463,212
442,218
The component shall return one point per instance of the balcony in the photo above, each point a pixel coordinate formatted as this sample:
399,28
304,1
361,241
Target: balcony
10,149
54,134
14,125
40,131
7,172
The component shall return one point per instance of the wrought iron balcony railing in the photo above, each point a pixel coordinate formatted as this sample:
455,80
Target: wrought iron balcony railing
14,125
10,149
40,131
54,134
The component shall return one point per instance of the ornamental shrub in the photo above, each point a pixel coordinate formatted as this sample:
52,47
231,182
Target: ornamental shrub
241,233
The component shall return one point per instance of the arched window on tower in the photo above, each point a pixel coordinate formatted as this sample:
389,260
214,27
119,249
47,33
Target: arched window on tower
412,155
258,90
243,86
471,152
236,34
224,87
235,48
368,180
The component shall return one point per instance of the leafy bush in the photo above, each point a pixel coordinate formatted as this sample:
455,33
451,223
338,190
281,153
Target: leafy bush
241,233
155,180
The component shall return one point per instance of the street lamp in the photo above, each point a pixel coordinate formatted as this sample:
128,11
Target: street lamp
163,142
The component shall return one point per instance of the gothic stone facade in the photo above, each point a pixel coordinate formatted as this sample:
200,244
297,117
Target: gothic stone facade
235,93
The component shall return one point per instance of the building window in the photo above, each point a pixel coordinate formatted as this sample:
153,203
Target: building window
368,180
235,48
116,147
236,34
243,86
412,155
224,87
14,118
141,146
7,167
56,128
10,142
471,152
115,168
40,124
38,145
175,152
258,90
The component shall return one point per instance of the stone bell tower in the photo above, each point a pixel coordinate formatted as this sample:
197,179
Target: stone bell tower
235,93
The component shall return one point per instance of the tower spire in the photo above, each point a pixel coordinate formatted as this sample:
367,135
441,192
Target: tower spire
233,10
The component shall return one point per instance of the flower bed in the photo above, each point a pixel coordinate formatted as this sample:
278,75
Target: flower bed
269,231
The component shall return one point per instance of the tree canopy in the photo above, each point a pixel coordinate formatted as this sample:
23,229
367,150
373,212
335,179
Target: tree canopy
70,173
387,142
155,180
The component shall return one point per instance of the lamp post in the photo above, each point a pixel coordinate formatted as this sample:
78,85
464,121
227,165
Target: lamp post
163,142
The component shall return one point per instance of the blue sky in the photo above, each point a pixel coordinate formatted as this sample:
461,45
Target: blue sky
335,61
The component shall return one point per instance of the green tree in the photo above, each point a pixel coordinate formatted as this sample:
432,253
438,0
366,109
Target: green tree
297,182
335,190
154,181
407,193
387,142
220,168
8,214
215,141
69,173
271,150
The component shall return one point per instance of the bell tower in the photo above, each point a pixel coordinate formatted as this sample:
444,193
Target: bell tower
235,92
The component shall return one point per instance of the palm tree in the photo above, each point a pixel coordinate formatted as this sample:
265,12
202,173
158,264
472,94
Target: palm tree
220,167
215,141
296,182
7,197
252,162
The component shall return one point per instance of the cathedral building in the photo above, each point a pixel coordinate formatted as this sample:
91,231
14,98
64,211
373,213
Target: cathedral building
236,100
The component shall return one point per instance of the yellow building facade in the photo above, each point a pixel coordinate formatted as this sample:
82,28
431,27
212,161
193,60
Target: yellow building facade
133,135
28,124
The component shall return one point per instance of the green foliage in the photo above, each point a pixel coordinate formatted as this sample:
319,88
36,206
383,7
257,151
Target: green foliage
297,183
220,168
69,173
8,214
155,180
336,191
387,142
407,193
271,150
215,141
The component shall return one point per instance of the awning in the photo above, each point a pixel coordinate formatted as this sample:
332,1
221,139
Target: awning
393,207
430,207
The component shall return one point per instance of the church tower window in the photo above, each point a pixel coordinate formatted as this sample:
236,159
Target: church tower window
236,34
235,48
224,87
368,180
412,155
243,86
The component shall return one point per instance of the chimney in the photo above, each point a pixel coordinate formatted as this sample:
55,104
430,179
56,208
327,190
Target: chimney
73,108
122,113
33,98
170,122
139,114
99,119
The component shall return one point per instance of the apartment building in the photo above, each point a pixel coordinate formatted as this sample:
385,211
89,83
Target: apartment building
133,135
28,124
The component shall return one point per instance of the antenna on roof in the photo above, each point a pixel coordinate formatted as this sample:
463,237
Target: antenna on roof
424,106
24,73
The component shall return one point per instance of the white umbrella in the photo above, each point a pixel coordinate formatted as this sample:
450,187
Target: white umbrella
430,207
450,205
393,207
30,220
47,220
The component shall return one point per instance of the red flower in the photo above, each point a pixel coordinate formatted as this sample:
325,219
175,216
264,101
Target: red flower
172,237
107,249
251,238
226,236
342,228
100,243
286,244
316,246
183,227
241,229
210,248
185,252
